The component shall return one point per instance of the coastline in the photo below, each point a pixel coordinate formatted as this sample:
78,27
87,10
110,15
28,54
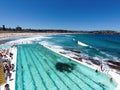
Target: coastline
5,37
115,76
8,35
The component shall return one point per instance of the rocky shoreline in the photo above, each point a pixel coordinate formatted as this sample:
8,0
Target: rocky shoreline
113,65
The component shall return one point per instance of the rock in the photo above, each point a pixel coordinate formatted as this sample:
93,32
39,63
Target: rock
88,63
113,64
114,67
77,58
76,51
62,52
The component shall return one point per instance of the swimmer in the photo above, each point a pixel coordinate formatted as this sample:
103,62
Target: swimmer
96,71
21,67
111,79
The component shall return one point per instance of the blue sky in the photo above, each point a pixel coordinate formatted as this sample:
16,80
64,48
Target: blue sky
61,14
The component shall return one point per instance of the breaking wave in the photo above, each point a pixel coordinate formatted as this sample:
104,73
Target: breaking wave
82,44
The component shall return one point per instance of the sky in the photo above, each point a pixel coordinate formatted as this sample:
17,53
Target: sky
61,14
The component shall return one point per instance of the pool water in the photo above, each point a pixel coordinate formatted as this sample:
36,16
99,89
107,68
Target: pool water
36,71
5,46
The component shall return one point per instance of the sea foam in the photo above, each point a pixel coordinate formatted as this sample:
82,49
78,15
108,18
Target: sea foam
82,44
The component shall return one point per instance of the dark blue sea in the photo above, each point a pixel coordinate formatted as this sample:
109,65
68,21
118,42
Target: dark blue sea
97,46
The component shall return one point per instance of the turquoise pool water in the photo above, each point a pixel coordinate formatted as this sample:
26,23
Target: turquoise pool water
36,71
5,46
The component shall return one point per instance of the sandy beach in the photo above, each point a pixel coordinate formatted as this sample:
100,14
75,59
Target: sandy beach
7,35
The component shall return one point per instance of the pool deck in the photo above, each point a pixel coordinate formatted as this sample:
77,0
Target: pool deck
114,75
12,83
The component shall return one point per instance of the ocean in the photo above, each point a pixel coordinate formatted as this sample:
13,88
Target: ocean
96,46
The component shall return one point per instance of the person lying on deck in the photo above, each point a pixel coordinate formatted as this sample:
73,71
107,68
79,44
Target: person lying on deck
7,87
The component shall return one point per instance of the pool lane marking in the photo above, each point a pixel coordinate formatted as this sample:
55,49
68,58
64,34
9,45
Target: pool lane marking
47,73
68,77
55,73
30,69
20,60
38,71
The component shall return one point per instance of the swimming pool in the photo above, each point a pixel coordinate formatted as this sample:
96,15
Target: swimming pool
36,71
5,46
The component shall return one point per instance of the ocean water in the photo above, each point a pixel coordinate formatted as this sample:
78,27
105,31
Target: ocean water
97,46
